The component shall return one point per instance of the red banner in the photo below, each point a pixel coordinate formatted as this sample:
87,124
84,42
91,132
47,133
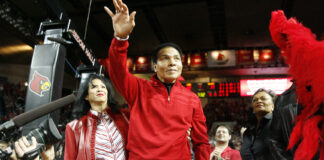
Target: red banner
143,64
184,60
245,56
267,56
197,60
130,64
104,62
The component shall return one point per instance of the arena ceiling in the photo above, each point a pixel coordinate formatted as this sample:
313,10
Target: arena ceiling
196,25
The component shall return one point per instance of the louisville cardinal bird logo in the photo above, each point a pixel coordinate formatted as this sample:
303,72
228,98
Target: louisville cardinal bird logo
221,59
39,84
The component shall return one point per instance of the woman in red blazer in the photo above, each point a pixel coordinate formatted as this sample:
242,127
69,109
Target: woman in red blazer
102,132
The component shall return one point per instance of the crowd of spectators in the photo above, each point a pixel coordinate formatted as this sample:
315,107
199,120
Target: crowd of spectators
231,110
12,100
235,110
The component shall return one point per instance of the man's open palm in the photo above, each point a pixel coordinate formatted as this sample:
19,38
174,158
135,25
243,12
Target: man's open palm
123,22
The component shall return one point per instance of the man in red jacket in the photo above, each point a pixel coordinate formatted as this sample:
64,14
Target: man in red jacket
222,151
162,110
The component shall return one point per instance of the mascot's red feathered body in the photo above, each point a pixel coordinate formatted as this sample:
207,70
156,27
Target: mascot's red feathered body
305,55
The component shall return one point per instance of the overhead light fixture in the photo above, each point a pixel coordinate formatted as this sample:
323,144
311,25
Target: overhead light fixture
15,49
141,60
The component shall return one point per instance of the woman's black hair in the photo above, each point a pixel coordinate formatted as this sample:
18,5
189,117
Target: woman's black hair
271,93
83,92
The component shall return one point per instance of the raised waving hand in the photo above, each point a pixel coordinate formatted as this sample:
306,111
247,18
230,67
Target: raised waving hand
123,22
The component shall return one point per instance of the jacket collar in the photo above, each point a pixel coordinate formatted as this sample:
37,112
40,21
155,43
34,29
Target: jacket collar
94,114
156,82
268,116
227,149
264,120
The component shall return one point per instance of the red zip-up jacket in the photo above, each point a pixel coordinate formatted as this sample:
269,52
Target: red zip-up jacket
229,154
80,134
158,121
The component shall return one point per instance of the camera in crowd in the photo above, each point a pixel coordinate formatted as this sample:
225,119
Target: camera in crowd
46,134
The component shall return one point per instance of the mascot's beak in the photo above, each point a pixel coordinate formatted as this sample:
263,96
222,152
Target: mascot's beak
309,88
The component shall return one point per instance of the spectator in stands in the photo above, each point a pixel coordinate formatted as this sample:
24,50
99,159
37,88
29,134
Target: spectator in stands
254,146
9,94
284,118
222,150
102,132
237,142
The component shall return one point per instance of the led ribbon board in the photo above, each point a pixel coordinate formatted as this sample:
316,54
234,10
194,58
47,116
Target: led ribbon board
278,85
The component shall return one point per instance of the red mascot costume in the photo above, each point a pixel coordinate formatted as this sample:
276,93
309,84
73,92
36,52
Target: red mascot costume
305,55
